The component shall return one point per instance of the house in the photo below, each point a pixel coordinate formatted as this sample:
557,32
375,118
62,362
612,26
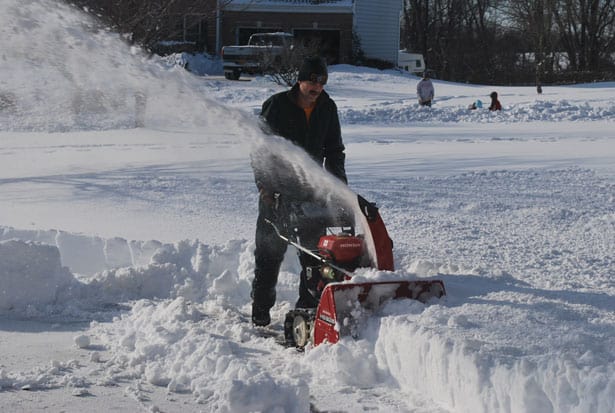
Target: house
328,24
377,23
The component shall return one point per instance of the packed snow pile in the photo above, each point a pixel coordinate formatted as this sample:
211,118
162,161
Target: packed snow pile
563,110
31,275
201,64
36,283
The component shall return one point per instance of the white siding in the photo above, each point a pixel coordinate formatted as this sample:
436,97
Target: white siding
377,24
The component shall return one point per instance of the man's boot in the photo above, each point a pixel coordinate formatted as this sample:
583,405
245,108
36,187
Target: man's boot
260,316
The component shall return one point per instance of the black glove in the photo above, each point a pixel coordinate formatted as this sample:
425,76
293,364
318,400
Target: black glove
270,198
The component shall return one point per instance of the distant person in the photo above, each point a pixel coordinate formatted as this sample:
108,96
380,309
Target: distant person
425,90
495,103
478,104
539,88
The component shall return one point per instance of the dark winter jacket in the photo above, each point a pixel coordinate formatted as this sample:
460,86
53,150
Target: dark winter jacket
495,105
321,137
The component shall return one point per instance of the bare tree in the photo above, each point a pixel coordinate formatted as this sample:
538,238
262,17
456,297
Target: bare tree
147,22
534,19
416,26
512,41
457,38
586,29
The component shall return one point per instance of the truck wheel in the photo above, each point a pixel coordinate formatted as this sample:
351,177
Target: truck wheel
234,75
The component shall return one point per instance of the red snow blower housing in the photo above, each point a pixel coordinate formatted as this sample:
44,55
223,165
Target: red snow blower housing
341,301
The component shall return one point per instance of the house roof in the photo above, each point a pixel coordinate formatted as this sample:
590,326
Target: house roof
291,6
311,2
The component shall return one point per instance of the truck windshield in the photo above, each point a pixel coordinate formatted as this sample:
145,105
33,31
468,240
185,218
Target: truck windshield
268,41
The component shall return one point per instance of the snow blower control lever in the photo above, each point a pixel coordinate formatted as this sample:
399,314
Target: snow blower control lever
312,254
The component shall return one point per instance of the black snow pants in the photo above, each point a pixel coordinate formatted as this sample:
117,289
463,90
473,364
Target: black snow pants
269,254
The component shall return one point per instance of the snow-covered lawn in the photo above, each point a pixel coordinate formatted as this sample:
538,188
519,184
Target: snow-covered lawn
126,253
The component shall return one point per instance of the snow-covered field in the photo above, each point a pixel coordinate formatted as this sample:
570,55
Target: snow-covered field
126,252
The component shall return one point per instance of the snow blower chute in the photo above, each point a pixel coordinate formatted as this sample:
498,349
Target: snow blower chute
339,298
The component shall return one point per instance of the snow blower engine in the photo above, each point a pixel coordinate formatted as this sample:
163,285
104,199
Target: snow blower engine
338,255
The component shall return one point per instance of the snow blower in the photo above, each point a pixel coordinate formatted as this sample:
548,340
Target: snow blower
340,300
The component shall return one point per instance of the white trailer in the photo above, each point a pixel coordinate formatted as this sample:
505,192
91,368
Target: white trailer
410,62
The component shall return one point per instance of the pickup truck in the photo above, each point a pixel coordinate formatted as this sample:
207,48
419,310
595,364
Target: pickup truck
264,52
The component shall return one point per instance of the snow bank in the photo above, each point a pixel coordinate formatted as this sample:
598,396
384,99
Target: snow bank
34,282
88,255
187,269
32,277
197,63
450,360
399,106
559,110
173,344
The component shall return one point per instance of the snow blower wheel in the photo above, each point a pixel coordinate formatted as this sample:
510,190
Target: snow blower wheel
298,327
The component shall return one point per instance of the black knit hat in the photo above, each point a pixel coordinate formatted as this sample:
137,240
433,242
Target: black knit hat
313,69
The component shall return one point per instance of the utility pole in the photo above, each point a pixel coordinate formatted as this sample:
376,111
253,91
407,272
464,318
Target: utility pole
218,28
425,28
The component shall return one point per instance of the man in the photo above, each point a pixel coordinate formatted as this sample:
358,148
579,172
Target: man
306,116
425,90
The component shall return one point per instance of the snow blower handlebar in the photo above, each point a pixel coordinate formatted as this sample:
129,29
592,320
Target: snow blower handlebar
307,251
